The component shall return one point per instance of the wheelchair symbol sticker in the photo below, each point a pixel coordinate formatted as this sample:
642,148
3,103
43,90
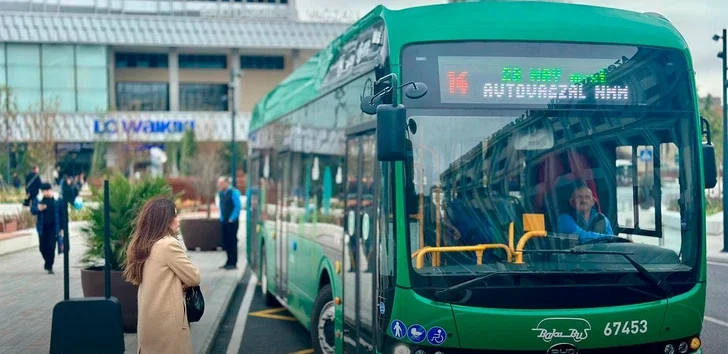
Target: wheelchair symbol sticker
436,335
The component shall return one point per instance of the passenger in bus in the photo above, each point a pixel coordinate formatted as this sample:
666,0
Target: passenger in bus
584,220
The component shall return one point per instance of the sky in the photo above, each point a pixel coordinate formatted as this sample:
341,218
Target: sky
697,20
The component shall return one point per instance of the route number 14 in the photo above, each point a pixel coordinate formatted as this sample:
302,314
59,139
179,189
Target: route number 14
626,327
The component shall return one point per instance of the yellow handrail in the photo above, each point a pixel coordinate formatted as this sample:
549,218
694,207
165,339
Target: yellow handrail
478,249
522,243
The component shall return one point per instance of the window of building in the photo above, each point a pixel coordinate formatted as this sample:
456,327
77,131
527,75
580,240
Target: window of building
58,77
262,62
23,70
142,96
141,60
92,78
203,97
197,61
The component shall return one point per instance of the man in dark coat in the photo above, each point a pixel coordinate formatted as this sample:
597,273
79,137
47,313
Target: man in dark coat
51,222
32,184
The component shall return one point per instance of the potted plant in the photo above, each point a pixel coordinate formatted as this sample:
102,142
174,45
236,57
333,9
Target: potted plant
125,201
8,224
204,233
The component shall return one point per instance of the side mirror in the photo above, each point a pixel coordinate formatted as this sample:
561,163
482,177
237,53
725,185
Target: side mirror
710,171
391,133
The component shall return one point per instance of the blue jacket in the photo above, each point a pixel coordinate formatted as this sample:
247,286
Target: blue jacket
237,205
568,225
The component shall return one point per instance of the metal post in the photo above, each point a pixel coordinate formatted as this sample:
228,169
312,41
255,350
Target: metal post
724,83
107,243
235,75
233,86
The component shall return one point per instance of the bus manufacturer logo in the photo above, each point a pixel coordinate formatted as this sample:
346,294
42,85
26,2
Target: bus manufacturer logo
575,329
563,348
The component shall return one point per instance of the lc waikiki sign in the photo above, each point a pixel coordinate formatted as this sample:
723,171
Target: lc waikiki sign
142,126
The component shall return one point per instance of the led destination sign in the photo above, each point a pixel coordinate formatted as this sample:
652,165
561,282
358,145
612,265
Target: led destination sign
529,80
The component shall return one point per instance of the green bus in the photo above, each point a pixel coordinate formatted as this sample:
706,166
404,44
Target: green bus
452,179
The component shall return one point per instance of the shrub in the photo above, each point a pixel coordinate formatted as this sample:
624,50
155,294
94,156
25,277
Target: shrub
125,201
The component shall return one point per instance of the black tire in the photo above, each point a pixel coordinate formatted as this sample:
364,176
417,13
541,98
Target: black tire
324,300
268,298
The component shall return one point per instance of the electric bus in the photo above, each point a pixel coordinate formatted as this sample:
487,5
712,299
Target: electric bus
486,177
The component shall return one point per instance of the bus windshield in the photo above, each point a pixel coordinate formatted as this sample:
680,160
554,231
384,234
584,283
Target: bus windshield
522,148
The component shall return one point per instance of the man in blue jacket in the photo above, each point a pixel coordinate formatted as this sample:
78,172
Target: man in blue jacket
584,221
52,218
229,206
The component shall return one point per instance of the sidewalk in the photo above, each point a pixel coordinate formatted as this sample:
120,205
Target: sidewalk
28,295
714,248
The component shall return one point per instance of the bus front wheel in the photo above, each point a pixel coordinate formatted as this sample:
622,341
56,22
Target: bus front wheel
322,322
269,299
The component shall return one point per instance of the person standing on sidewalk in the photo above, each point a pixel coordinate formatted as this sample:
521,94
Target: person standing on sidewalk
52,219
158,264
230,206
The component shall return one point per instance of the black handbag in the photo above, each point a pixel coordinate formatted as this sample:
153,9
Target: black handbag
195,303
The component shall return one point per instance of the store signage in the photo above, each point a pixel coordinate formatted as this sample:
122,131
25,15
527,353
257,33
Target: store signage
132,126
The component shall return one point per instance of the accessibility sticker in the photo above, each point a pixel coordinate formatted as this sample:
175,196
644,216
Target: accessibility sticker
398,329
436,335
416,333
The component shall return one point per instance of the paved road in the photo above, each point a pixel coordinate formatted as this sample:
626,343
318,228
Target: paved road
715,333
271,330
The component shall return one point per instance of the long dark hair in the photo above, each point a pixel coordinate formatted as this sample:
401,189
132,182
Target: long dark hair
152,224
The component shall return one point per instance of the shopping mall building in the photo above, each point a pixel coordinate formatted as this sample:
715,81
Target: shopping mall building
140,72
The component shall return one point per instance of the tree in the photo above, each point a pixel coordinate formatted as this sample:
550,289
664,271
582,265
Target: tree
8,118
206,167
42,126
188,151
716,126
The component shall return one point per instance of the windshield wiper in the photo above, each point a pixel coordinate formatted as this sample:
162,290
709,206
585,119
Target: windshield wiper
446,293
645,274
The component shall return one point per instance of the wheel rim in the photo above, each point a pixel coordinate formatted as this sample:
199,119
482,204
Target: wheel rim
326,327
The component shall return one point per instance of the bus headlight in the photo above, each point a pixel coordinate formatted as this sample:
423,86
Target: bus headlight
695,343
682,348
401,349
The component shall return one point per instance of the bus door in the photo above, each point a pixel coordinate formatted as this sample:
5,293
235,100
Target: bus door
253,209
360,233
282,224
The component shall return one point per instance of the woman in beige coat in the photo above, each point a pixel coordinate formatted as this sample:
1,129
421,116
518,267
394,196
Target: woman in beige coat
157,263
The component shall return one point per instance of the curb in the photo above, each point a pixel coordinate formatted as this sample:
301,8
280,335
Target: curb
207,344
723,259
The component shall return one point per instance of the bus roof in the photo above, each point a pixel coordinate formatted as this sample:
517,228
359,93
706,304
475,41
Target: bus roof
506,21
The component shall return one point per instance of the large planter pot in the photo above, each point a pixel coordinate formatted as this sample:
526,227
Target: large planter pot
205,234
9,226
92,282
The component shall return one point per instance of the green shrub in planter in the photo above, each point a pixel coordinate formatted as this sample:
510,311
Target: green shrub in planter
125,201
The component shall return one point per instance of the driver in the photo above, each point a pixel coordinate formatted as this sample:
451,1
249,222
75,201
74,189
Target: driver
584,221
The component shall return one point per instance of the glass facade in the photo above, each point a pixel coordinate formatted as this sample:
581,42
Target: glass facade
63,77
91,78
203,97
23,70
142,96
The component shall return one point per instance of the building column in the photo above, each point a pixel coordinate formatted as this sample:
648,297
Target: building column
173,80
235,64
295,58
111,78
